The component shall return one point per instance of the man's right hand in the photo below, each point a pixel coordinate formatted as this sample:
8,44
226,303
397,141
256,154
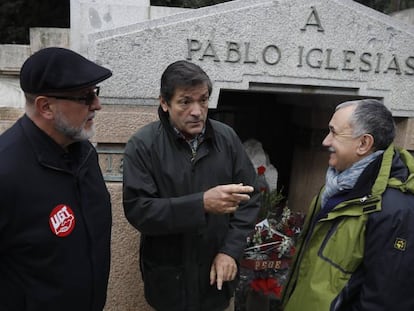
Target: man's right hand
224,199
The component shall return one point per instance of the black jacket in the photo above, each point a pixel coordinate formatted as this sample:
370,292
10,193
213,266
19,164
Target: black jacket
163,199
55,224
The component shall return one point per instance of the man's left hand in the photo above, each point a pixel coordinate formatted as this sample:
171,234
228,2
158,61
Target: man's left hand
224,268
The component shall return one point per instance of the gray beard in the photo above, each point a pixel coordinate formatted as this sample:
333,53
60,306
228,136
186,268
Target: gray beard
73,133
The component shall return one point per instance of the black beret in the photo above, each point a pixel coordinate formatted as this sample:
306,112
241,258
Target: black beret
57,69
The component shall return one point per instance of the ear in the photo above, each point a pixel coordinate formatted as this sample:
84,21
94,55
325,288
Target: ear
366,143
163,103
43,107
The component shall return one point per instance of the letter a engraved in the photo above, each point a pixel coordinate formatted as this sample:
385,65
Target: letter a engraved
313,20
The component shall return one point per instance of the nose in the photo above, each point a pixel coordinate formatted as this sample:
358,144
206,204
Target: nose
196,109
96,104
327,140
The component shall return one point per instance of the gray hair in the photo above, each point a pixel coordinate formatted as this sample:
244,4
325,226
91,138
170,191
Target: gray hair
371,117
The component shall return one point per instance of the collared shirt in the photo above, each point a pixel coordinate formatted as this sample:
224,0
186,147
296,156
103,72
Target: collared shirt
194,142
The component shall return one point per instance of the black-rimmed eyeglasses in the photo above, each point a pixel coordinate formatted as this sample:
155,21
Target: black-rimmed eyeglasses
86,100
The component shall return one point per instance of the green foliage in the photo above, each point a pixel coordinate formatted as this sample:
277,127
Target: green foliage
270,203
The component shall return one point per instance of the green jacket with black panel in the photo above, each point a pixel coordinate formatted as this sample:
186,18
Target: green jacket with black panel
359,255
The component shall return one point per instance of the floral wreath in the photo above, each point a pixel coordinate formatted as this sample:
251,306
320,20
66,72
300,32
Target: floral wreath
271,247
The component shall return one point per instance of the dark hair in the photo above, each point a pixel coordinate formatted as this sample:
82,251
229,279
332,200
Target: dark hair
182,74
372,117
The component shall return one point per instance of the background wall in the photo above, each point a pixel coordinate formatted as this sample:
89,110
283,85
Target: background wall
114,123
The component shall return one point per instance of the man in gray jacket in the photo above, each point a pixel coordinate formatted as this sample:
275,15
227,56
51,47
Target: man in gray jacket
189,188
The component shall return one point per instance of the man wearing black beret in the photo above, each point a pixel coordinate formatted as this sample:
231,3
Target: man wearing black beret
55,211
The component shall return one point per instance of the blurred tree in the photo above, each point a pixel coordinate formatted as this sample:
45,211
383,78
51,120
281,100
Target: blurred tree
385,6
388,6
17,16
187,3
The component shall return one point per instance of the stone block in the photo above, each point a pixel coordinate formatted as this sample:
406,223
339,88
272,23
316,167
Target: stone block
115,123
42,37
12,57
9,115
125,289
405,133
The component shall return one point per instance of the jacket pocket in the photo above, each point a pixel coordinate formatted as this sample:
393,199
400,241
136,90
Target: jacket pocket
343,246
164,287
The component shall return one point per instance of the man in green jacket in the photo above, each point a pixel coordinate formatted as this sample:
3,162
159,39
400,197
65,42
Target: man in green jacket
356,250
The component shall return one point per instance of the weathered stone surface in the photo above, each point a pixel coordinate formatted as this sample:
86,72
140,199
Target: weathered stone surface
405,133
125,290
116,123
329,47
336,48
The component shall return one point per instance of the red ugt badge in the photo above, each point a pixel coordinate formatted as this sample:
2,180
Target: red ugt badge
62,220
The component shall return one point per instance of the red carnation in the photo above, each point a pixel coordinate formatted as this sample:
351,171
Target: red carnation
261,170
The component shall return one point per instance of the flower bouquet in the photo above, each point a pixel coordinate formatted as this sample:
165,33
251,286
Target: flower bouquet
268,255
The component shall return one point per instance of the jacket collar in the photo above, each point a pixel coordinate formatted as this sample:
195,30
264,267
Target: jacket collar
374,179
365,196
51,154
403,174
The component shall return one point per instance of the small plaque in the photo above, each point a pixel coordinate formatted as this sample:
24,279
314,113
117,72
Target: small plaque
110,161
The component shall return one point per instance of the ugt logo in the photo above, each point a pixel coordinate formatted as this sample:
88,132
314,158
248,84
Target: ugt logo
62,220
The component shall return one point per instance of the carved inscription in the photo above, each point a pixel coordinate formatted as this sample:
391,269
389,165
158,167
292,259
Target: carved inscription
313,20
235,52
110,161
331,59
349,60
